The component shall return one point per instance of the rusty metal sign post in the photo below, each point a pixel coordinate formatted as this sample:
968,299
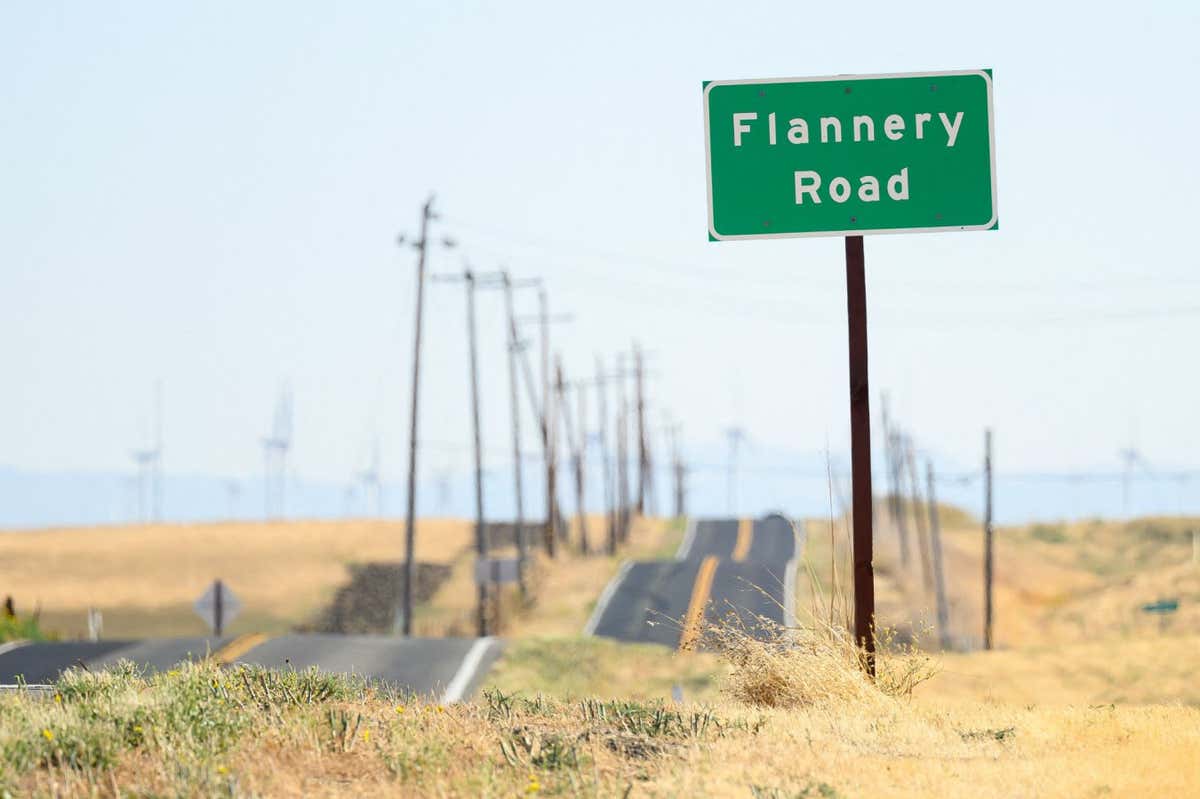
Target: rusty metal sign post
860,454
846,156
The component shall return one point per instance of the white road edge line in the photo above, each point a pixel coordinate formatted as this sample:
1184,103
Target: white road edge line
605,597
11,645
789,579
466,670
689,538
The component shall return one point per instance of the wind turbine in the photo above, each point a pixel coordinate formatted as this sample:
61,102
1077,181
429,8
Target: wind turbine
737,437
275,449
233,492
1132,458
148,460
443,485
370,477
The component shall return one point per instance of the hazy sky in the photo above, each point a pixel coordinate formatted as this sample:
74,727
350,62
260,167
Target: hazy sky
210,193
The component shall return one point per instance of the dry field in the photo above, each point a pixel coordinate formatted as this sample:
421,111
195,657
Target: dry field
1085,696
144,578
788,723
1055,584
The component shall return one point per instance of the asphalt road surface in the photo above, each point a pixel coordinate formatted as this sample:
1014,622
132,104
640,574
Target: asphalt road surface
449,668
724,566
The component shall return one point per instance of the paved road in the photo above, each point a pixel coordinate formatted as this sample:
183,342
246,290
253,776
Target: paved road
450,668
768,540
723,566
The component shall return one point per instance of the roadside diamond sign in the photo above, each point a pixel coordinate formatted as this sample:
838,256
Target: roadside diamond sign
217,606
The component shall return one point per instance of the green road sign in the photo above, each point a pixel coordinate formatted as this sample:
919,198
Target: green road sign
1162,606
847,155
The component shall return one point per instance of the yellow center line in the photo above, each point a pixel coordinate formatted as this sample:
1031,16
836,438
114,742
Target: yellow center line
238,647
695,613
745,535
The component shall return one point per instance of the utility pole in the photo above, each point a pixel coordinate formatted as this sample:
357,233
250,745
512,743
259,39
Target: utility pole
897,471
422,247
574,438
622,452
987,539
581,471
549,443
606,462
939,573
549,427
895,508
538,408
679,472
577,441
643,459
651,508
918,517
514,345
481,541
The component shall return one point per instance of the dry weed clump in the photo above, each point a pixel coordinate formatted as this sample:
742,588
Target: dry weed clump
813,665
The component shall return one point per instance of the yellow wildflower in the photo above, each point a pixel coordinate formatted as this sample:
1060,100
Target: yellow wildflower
441,709
399,708
49,736
58,699
366,735
222,770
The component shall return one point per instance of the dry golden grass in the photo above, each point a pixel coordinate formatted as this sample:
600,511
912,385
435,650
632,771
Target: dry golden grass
145,577
1147,670
764,721
1054,583
203,732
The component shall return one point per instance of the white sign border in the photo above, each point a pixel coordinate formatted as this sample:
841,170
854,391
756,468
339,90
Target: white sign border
712,230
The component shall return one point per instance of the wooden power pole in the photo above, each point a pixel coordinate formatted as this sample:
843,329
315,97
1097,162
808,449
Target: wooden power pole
514,345
643,460
610,512
894,503
918,509
622,452
680,473
939,571
548,427
410,517
574,434
481,540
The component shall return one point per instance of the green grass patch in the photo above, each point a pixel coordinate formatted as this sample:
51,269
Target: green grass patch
16,628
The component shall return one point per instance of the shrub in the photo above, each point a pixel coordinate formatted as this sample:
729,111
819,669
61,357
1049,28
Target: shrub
817,664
